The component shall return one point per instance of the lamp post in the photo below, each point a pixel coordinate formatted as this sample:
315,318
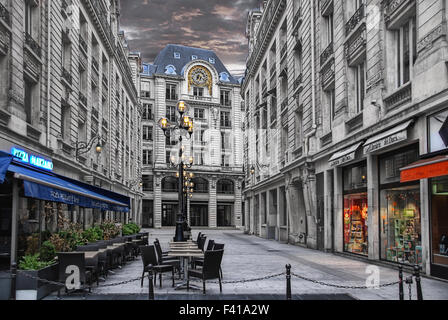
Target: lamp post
184,124
82,147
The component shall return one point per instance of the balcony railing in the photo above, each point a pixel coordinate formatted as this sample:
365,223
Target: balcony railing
325,56
83,44
354,20
298,81
66,75
4,14
82,98
32,44
95,112
393,5
284,104
95,64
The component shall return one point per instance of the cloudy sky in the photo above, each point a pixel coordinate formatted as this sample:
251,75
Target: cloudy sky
218,25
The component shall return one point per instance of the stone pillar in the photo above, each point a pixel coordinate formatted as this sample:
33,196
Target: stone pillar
238,219
373,209
328,211
158,201
338,211
212,205
247,219
425,210
309,192
280,210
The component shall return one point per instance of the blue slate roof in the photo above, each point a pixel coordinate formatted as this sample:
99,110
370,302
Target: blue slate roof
166,63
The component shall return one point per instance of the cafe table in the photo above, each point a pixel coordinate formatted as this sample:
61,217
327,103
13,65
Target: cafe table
186,254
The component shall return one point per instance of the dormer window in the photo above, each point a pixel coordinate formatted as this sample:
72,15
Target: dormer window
194,57
211,60
176,55
224,77
170,69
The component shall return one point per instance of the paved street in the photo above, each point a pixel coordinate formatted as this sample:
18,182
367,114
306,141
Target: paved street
249,257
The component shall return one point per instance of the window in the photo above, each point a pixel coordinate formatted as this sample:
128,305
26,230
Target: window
171,92
65,121
200,185
225,98
329,27
147,157
211,60
406,44
194,57
198,92
168,140
176,55
28,101
273,110
438,137
167,156
199,113
225,187
147,112
225,141
198,158
148,183
225,119
145,91
147,133
170,184
171,113
360,87
225,160
331,95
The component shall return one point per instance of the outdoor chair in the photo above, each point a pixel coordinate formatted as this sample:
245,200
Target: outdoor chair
197,239
219,246
210,270
149,260
201,242
164,260
66,259
164,253
200,261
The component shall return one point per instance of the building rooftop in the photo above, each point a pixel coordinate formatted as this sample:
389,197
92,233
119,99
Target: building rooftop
173,59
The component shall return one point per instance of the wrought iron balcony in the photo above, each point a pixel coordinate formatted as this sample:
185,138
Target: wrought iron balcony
326,54
4,14
355,20
83,44
32,44
66,75
82,99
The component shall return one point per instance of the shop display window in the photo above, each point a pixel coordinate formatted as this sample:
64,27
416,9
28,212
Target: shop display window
401,225
355,224
439,221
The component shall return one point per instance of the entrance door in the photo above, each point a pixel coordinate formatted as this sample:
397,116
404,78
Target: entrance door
169,212
320,211
199,215
224,215
148,214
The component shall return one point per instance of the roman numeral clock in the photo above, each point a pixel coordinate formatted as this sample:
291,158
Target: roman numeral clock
200,76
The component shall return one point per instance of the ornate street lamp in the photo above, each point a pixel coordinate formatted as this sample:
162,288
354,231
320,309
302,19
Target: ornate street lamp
82,147
183,124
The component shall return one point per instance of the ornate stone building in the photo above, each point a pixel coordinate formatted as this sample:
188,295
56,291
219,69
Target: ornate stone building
346,127
66,81
198,77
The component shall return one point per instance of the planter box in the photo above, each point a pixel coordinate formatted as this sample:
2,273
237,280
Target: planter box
32,289
5,286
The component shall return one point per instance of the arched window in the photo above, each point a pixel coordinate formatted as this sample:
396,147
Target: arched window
170,184
225,186
200,185
170,69
224,77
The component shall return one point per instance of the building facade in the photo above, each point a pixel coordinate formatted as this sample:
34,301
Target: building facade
353,94
66,87
198,77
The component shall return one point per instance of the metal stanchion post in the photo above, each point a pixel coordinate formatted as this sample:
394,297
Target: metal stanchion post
400,285
13,280
151,284
418,282
288,282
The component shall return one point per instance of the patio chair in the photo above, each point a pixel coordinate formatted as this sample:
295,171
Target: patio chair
210,270
200,261
165,260
219,246
149,259
164,253
66,259
197,239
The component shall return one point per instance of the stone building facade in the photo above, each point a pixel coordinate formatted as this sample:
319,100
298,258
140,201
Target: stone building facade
215,107
347,98
65,81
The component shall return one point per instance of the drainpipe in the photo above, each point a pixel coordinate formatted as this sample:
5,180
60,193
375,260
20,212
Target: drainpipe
48,71
313,79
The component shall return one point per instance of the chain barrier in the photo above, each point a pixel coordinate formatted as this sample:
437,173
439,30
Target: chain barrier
244,280
342,286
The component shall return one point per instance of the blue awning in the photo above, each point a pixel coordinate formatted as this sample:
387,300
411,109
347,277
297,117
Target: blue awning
52,187
5,160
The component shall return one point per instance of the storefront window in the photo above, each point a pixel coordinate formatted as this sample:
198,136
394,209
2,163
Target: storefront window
355,223
439,221
400,217
355,209
438,131
401,225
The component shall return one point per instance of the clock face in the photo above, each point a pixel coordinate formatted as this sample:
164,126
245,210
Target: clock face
199,77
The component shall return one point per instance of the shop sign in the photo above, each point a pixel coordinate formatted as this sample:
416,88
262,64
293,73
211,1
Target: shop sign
428,171
386,142
32,159
342,160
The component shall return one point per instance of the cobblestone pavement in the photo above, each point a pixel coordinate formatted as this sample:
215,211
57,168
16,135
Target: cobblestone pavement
249,257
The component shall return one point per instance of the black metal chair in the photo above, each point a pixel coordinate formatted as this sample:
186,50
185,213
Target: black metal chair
173,261
210,270
149,260
164,253
219,246
197,239
201,242
69,259
200,261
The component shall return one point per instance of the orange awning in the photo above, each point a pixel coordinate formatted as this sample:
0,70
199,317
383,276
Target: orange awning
425,169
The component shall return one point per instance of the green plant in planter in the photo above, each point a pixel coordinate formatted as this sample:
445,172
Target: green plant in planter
93,234
33,262
47,251
110,230
130,228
